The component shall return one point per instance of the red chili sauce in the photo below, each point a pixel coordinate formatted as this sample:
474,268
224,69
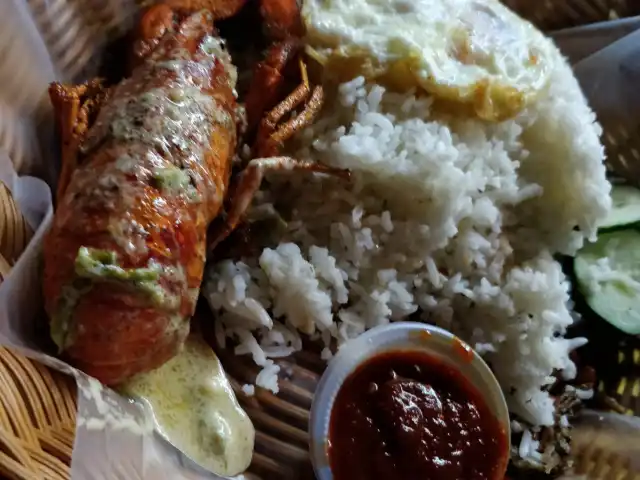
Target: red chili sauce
406,415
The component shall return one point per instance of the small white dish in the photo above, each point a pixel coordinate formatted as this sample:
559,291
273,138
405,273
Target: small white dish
401,336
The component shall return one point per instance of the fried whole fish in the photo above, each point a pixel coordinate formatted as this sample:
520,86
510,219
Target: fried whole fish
147,166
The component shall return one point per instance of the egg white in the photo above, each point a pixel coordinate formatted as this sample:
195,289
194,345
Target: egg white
476,53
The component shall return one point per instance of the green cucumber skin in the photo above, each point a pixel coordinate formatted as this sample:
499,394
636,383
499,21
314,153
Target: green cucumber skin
625,209
616,302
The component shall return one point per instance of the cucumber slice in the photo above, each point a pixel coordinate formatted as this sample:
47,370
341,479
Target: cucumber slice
608,275
625,208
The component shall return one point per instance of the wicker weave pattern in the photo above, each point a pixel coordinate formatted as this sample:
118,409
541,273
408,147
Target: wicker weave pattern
38,406
557,14
603,465
74,39
37,420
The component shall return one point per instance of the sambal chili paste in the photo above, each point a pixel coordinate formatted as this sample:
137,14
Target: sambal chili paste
406,415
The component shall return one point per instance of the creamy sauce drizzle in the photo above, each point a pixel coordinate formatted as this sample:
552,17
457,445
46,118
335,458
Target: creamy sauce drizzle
196,410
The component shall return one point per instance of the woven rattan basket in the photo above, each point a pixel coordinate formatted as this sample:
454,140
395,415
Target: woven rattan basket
38,406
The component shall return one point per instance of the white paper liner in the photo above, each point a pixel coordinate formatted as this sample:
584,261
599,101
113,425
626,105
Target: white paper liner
46,40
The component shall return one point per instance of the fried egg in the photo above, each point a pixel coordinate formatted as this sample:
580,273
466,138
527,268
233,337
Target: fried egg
477,54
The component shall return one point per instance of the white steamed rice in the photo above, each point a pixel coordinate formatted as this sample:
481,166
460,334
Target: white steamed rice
456,221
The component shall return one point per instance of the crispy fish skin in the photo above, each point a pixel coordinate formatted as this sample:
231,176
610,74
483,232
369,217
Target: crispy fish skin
124,259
